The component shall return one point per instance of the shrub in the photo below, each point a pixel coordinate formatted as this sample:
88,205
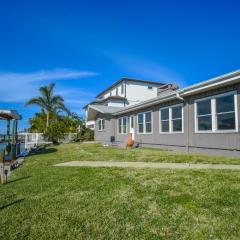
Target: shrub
85,134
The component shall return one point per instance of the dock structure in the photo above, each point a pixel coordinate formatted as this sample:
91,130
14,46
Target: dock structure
9,154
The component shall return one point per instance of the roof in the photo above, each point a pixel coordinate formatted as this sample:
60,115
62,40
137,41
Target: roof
130,80
93,110
105,99
104,109
9,114
220,81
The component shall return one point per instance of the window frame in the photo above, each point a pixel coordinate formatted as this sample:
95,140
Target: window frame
144,122
170,119
131,122
101,120
127,126
214,113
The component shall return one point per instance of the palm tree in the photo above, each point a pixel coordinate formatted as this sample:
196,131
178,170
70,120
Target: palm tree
50,103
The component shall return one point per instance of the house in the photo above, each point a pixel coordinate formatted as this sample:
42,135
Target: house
125,92
201,118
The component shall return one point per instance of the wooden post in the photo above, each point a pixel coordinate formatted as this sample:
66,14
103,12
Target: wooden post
8,143
2,166
13,140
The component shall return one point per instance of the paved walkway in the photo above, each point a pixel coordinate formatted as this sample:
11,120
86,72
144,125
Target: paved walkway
148,165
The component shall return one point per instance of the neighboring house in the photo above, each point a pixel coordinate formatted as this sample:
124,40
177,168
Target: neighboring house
201,118
123,93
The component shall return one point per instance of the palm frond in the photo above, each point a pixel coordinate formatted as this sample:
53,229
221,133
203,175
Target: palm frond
36,101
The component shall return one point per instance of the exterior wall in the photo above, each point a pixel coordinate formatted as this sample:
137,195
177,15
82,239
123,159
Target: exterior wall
137,92
104,135
113,91
116,103
209,143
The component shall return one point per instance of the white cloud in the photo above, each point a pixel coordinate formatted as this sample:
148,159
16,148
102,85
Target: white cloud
18,87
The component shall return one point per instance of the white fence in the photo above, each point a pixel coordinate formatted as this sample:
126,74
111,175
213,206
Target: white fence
36,139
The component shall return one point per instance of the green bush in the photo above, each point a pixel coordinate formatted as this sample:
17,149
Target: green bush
85,134
55,132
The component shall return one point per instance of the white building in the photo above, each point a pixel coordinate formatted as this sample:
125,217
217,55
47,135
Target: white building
124,93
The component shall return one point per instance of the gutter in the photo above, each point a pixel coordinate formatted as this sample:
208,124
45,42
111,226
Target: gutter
149,103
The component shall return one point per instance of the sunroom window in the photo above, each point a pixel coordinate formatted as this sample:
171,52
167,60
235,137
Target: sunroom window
148,122
122,125
225,113
204,115
145,122
177,119
164,120
140,122
171,119
217,113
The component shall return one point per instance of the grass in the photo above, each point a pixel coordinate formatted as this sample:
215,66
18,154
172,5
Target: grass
93,152
46,202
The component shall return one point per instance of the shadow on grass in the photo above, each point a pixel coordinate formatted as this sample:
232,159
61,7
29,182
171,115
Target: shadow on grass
44,151
19,179
11,204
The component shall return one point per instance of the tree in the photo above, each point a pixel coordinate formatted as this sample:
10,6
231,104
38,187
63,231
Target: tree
38,122
51,104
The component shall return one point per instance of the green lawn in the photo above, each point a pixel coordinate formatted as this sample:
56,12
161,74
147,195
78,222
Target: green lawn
46,202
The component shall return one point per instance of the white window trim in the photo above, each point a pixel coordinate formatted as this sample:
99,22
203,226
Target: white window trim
144,123
213,113
131,122
170,119
102,129
127,126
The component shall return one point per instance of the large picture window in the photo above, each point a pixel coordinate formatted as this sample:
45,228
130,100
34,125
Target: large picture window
217,113
171,119
101,124
145,122
122,125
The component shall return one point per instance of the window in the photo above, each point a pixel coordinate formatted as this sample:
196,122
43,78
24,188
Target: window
171,119
164,120
131,121
177,119
150,87
122,89
216,113
117,91
122,125
225,113
140,123
204,115
148,122
145,122
101,124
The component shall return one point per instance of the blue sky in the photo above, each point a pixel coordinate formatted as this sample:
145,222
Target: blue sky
84,46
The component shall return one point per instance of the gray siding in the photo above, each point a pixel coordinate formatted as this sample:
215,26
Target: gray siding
210,143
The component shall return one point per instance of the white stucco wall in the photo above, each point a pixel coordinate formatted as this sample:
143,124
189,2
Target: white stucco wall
138,92
113,91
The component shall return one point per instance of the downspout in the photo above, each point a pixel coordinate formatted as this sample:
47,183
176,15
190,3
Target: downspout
187,106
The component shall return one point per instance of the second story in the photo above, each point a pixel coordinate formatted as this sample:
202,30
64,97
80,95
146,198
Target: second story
129,91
